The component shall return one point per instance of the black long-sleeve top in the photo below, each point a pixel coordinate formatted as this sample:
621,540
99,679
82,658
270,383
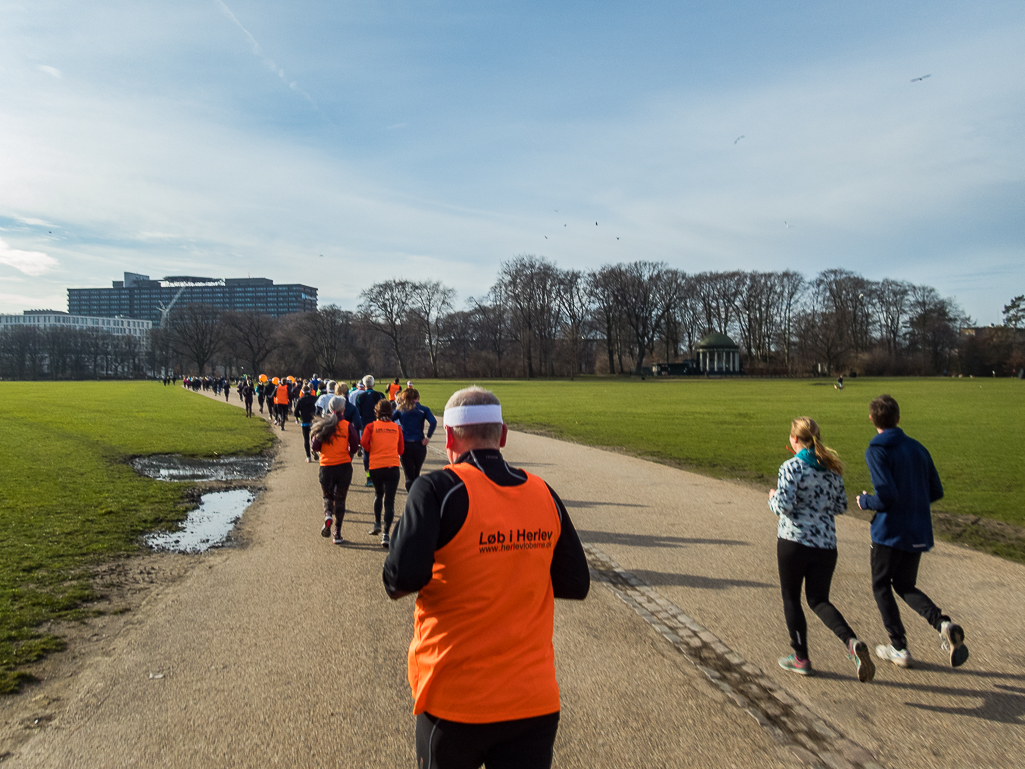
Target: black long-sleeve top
304,408
436,509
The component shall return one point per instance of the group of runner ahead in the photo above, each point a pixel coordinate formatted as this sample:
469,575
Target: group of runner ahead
487,548
810,492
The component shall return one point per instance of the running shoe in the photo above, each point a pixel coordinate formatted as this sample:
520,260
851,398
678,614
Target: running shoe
326,531
308,460
376,530
952,640
369,482
858,652
385,541
794,665
338,540
899,657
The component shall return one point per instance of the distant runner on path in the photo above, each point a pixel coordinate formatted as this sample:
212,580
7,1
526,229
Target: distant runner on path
281,401
304,412
245,392
365,402
808,494
393,390
335,440
906,484
489,548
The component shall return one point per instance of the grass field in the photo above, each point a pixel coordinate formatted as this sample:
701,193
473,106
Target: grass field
738,428
68,500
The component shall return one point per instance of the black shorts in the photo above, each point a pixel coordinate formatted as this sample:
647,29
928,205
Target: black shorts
526,743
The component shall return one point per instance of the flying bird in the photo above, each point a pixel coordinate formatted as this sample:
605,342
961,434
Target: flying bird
321,256
916,79
546,237
617,237
785,222
737,139
596,224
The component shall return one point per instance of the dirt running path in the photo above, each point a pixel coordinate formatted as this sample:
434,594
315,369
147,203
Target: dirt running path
286,651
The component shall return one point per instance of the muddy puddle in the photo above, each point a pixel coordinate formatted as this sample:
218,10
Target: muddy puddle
208,525
173,467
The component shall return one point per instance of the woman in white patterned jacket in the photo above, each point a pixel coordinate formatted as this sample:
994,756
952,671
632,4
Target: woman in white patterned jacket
808,493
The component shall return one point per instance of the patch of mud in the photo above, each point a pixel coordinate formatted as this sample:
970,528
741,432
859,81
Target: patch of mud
208,525
174,467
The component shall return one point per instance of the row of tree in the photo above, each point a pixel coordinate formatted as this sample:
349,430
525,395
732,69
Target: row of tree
541,320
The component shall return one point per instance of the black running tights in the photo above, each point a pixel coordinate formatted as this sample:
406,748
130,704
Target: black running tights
814,567
334,482
526,743
413,455
386,483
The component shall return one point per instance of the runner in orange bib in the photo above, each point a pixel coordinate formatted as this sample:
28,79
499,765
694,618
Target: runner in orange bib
383,442
488,548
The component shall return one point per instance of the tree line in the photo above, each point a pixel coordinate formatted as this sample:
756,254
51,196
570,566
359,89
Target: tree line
541,320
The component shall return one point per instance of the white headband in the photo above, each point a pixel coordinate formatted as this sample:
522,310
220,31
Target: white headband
473,415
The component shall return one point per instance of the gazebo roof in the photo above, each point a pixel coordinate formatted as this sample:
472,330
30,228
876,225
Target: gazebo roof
717,340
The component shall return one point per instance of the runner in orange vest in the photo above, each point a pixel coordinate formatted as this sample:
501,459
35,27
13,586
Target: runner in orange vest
335,440
394,389
383,442
281,400
488,548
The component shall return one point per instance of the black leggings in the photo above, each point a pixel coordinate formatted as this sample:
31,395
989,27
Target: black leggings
814,567
526,743
306,439
334,482
386,483
897,570
413,456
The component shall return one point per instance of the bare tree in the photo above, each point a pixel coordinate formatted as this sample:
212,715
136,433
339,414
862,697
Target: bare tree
196,332
575,304
253,336
528,283
636,290
386,306
429,302
608,313
491,321
892,304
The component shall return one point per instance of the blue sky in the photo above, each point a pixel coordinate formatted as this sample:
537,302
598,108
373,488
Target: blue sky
434,140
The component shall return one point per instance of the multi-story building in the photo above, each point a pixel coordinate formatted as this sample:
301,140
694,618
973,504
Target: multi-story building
42,319
139,297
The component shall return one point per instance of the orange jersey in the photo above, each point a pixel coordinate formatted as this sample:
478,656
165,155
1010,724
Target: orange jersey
384,443
336,450
393,390
281,395
482,639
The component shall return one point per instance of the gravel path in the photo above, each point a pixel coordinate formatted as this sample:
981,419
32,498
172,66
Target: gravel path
287,652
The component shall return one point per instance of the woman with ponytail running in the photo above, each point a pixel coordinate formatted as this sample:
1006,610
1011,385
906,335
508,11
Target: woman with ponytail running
411,415
335,440
382,441
809,493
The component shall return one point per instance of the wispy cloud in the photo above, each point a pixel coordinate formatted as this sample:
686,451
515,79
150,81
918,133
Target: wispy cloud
258,53
29,262
46,69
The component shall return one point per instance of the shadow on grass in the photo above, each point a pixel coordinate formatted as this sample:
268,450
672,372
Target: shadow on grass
649,540
669,579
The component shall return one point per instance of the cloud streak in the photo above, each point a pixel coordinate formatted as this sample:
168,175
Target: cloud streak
46,69
258,53
31,263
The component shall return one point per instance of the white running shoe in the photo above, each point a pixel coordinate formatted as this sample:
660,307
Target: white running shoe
899,657
952,640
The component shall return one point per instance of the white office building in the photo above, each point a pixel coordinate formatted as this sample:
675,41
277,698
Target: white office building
43,319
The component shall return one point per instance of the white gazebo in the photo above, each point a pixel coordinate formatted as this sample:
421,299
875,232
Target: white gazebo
718,354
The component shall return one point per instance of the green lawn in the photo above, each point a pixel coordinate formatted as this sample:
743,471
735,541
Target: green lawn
738,428
69,500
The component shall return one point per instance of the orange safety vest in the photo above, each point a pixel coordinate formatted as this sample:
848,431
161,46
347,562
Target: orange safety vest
336,450
482,639
281,395
393,390
384,442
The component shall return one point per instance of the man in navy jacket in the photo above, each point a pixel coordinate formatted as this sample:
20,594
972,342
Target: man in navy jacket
906,484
